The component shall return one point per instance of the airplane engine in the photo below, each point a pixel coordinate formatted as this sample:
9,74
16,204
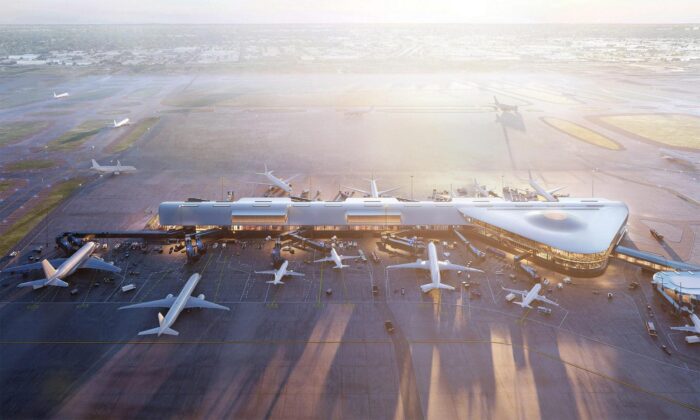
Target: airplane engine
201,296
170,296
116,172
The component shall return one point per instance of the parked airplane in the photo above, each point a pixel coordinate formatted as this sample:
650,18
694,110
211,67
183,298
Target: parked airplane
60,95
435,266
546,194
695,328
373,190
114,169
480,190
184,300
504,107
681,157
280,273
66,267
529,296
337,259
282,184
121,123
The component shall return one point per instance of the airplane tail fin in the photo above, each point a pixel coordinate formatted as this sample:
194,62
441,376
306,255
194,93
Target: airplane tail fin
522,305
529,174
274,282
430,286
115,123
95,165
49,271
341,266
35,284
168,331
54,94
119,163
495,100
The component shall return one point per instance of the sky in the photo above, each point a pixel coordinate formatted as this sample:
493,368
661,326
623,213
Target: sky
348,11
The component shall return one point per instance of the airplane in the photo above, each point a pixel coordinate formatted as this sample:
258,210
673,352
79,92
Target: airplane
282,184
60,95
338,259
435,266
680,157
504,107
373,190
280,273
529,296
116,170
66,267
184,300
695,328
548,195
480,190
121,123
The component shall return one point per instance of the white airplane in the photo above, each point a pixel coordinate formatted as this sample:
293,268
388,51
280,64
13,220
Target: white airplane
60,95
434,265
337,259
695,328
280,273
681,157
480,190
66,267
529,296
121,123
114,169
504,107
373,190
282,184
546,194
184,300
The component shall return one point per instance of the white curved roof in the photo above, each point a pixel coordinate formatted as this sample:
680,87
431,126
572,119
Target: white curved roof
686,282
573,225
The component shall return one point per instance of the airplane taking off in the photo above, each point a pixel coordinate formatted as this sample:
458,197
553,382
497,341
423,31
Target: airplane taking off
337,259
282,184
435,265
280,273
114,169
121,123
66,267
373,190
504,107
548,195
695,328
529,296
60,95
184,300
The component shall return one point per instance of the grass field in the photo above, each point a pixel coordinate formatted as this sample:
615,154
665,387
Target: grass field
29,164
22,226
15,132
675,130
582,133
77,136
131,136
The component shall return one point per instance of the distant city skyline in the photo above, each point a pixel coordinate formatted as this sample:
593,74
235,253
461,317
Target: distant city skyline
350,11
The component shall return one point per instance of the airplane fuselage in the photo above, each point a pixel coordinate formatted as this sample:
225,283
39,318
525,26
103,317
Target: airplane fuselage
532,294
278,182
281,272
179,303
433,263
696,322
336,258
75,261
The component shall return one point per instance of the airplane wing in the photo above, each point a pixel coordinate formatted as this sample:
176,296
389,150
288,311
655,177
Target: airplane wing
389,190
160,303
443,265
356,189
517,292
286,181
687,328
294,273
195,302
552,191
324,260
33,266
96,264
349,257
259,183
422,264
545,300
273,272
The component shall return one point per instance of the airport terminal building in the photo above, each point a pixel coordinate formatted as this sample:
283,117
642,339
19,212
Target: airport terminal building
574,236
